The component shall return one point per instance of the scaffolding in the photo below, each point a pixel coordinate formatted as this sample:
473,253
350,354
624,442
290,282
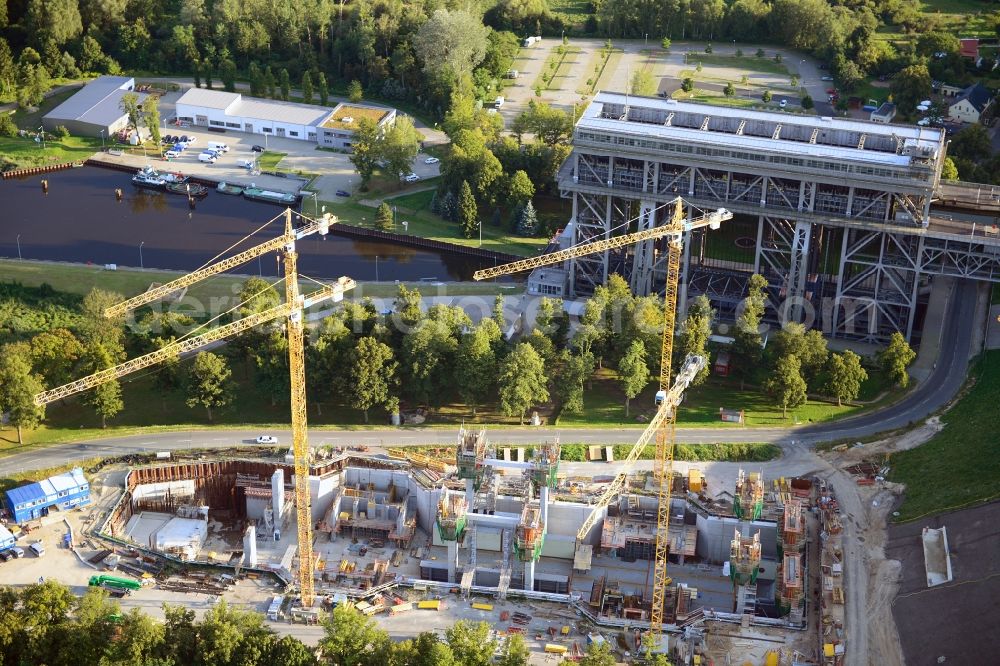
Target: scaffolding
748,503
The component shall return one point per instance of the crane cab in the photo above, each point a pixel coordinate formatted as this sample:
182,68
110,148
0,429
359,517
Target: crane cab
661,395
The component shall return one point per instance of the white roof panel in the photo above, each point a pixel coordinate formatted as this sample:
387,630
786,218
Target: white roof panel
210,99
288,112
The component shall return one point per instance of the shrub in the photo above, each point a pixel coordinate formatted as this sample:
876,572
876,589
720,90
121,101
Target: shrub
7,125
62,132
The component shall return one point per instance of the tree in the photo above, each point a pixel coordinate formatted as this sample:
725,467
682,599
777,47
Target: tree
284,82
196,72
687,85
665,43
633,373
766,97
151,117
105,399
227,72
257,88
18,387
729,90
383,217
206,70
427,360
807,102
269,82
399,146
322,89
8,70
104,331
573,370
476,365
515,652
786,385
58,19
519,189
448,206
371,368
845,376
747,340
352,639
896,358
307,87
451,43
355,92
911,85
948,169
54,354
366,149
695,331
424,650
598,654
527,222
468,212
471,643
643,83
808,346
522,381
971,143
129,105
208,383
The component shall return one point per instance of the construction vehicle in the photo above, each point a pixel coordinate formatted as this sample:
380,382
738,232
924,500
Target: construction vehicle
668,396
291,310
114,582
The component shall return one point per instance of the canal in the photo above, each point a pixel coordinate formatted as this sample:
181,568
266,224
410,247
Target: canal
80,220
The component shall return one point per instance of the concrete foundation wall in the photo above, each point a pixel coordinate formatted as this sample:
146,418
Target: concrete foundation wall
158,491
716,533
256,506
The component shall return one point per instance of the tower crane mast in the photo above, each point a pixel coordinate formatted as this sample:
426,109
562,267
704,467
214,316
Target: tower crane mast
293,311
664,421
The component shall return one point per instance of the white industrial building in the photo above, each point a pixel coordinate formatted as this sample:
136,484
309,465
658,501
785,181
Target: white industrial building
95,109
326,126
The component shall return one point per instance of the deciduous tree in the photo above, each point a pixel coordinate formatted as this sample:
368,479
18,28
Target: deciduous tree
471,643
786,385
400,145
307,87
354,91
695,331
522,381
18,387
366,149
633,373
451,43
352,639
371,367
476,366
845,376
208,383
896,358
747,339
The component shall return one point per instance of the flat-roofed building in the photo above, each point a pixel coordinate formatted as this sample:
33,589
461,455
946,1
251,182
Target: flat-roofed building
326,126
96,108
337,131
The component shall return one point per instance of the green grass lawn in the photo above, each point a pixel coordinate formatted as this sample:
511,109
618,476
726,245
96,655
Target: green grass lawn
713,97
20,152
423,223
958,466
604,405
553,65
607,79
269,159
749,63
573,12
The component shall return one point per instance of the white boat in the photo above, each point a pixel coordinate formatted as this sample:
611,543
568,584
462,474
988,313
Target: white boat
149,178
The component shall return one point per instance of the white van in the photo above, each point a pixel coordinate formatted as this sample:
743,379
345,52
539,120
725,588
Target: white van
498,102
207,157
38,548
217,145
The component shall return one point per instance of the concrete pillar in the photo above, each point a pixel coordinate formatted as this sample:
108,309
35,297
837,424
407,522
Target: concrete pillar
452,560
470,494
278,499
250,547
543,503
529,576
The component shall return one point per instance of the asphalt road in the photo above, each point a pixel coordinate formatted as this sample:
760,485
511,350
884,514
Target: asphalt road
943,383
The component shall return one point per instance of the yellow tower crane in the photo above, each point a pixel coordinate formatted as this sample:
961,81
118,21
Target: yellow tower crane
292,309
668,397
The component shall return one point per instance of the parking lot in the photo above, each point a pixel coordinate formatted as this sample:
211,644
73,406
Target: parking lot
301,157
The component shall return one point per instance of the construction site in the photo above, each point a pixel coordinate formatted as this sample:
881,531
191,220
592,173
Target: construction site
498,528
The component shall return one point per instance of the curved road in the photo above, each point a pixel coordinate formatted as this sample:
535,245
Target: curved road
929,396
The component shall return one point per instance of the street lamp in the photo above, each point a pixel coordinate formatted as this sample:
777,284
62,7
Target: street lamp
41,131
394,217
102,139
646,37
315,205
480,233
140,254
376,268
19,247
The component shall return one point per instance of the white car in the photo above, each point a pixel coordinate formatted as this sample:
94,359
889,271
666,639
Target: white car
826,78
783,103
431,160
171,154
924,122
267,439
411,178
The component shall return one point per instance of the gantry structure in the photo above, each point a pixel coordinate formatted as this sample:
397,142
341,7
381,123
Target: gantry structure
839,213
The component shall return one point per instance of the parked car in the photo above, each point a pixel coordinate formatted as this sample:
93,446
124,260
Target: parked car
38,548
783,103
924,122
18,551
431,160
342,193
258,149
171,154
411,178
208,158
826,78
190,140
247,164
6,555
267,439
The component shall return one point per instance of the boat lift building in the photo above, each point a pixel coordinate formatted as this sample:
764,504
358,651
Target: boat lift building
836,213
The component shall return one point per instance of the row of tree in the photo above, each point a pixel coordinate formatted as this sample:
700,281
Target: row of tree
46,624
